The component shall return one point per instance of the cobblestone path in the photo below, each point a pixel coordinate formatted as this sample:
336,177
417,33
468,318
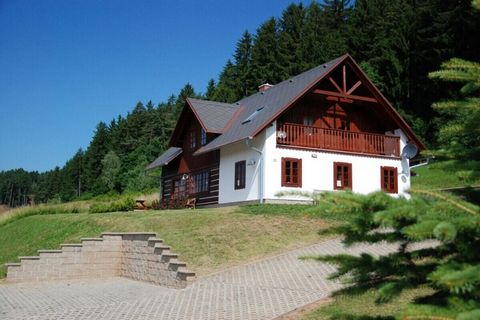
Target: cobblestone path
260,290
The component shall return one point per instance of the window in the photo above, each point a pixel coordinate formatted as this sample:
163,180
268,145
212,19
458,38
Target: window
308,121
179,188
342,176
240,175
345,124
389,176
192,139
291,172
199,182
203,137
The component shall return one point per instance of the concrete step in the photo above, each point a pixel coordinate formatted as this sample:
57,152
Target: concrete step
152,241
29,258
160,248
185,274
71,245
90,239
49,251
167,256
12,265
175,264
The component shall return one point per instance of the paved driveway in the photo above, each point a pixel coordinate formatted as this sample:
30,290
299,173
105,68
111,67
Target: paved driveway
260,290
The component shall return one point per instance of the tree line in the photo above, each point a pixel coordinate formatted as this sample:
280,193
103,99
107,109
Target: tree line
397,43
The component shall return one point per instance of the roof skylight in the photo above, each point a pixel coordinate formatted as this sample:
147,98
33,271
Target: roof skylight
253,115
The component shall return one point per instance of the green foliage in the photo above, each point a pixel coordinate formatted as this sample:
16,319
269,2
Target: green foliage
125,204
460,135
449,267
110,169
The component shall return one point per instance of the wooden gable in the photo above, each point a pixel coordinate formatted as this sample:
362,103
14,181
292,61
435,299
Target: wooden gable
346,99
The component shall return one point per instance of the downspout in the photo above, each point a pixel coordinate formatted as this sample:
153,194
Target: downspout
248,142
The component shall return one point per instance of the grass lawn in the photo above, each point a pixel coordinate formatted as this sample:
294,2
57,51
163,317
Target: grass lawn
207,239
346,306
447,174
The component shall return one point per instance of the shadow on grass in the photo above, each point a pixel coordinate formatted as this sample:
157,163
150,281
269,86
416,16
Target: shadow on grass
468,194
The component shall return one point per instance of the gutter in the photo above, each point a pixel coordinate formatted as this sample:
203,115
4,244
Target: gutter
248,142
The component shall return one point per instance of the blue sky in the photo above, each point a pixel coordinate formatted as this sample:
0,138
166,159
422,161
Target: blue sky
65,65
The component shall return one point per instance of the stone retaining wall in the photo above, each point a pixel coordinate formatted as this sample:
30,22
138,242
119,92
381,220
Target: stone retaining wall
135,255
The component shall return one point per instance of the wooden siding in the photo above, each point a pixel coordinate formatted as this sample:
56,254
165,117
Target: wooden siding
341,140
173,196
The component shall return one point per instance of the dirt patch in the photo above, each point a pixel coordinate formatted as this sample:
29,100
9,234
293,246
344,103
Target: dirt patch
300,312
3,209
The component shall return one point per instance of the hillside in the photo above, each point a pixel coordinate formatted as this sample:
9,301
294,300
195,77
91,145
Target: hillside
304,36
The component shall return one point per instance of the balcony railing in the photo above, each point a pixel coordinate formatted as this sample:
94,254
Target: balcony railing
340,140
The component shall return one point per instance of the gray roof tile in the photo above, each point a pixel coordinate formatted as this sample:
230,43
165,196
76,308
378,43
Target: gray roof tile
213,115
273,101
165,158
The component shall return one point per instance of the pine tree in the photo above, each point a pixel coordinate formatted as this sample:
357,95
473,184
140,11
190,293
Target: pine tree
187,92
265,54
321,40
243,68
211,88
450,268
97,149
290,40
459,137
226,90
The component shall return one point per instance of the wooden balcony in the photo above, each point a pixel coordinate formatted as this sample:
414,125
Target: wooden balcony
297,135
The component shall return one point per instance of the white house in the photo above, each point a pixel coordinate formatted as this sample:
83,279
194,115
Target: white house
327,129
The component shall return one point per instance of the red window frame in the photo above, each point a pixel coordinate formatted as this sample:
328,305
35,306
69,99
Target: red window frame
389,179
240,173
291,172
342,172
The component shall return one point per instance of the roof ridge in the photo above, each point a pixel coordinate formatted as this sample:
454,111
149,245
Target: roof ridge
289,80
226,104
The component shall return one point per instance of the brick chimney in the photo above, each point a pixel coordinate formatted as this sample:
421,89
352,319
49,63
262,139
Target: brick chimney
264,87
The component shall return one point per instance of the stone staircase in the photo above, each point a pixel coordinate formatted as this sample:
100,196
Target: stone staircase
135,255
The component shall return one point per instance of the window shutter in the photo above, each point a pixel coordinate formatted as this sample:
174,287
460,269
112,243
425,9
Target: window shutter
299,173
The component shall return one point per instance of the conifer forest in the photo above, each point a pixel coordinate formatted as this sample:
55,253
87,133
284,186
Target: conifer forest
422,54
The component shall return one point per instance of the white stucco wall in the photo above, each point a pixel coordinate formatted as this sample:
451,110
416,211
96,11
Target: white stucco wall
317,169
231,154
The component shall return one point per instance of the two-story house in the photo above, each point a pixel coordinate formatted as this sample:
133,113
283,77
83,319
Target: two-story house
326,129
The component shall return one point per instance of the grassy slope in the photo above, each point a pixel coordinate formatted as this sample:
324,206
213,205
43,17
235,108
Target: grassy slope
447,174
207,239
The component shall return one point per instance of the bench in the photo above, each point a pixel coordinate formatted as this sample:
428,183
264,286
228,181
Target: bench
191,203
140,205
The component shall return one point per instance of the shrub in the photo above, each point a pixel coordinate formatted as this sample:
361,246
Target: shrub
125,204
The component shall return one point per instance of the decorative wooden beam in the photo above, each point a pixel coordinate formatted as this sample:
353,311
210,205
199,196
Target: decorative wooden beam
346,96
335,84
355,86
344,78
338,99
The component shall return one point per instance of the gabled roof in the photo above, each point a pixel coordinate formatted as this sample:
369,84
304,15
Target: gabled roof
165,158
273,101
213,116
264,107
